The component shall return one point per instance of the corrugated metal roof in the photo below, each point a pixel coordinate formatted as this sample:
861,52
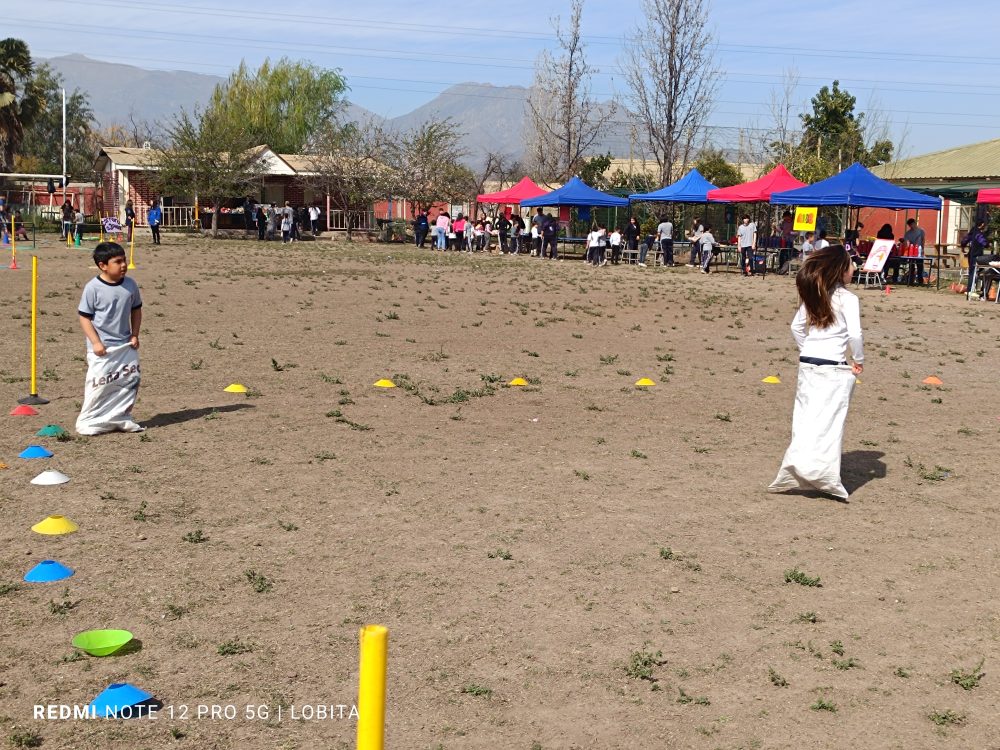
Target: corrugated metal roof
130,157
978,160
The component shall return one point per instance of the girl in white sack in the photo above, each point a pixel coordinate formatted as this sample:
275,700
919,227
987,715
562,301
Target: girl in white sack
827,329
110,315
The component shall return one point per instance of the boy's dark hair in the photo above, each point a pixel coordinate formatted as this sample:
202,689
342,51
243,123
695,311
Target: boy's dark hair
105,251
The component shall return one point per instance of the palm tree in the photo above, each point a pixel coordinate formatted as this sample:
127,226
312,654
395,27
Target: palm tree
20,100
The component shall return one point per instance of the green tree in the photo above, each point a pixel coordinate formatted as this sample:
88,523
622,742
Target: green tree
20,100
836,135
592,171
210,159
281,104
713,166
41,150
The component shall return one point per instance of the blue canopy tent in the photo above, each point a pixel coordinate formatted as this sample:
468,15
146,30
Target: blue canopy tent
577,193
856,187
691,188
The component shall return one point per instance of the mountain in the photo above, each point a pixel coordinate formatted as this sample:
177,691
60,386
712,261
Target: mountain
116,90
493,118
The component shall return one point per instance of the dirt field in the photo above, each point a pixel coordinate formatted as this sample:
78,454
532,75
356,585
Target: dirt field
575,564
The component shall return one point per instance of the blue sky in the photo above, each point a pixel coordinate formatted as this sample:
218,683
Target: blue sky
930,72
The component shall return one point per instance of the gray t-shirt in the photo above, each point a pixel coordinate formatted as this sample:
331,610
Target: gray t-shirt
665,230
110,308
745,233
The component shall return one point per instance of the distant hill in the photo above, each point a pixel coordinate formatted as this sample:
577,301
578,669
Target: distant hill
493,118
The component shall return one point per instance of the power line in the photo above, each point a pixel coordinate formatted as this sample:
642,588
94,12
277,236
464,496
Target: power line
467,31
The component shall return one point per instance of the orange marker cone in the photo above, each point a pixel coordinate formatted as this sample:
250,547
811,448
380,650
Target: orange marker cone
888,290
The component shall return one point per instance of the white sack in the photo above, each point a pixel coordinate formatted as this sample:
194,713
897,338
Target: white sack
812,460
110,393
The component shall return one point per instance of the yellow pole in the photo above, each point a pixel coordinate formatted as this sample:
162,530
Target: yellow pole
131,248
371,687
34,325
13,243
100,223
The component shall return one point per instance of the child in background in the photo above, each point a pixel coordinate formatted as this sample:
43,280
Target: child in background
79,220
807,245
110,315
616,245
595,245
827,329
707,242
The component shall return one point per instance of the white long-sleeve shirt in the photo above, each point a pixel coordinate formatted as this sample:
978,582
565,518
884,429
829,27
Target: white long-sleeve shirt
832,343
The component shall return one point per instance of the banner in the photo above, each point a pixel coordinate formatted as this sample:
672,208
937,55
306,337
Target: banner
805,219
878,256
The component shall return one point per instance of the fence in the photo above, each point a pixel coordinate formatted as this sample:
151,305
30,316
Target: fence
362,221
173,217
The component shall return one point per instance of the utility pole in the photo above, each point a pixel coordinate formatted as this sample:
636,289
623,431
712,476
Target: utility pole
64,180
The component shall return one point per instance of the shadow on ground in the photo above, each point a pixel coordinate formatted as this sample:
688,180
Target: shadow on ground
858,468
186,415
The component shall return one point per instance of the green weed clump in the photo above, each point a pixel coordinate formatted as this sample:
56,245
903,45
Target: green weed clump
797,576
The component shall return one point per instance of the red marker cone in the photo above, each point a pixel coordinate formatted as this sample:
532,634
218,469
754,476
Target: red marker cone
888,289
13,263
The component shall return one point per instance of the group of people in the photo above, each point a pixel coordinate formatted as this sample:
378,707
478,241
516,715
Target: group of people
288,220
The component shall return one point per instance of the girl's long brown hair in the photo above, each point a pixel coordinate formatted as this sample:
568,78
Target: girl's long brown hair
820,275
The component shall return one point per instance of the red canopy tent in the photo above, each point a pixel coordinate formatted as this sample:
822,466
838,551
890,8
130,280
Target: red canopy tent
757,191
989,195
523,190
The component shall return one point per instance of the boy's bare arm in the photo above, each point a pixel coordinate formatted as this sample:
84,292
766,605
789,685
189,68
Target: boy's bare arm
91,333
136,320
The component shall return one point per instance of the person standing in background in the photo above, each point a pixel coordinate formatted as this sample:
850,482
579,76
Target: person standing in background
420,228
915,238
67,219
314,219
746,237
694,237
154,217
665,234
129,218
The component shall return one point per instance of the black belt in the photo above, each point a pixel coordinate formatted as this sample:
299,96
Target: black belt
818,361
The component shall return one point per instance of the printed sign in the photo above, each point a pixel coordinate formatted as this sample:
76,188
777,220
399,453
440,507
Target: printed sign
878,256
111,225
805,219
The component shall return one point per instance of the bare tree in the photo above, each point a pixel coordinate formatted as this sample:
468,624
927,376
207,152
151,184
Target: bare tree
350,164
565,120
672,79
427,163
502,169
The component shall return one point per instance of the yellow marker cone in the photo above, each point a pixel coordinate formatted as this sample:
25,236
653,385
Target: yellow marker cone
518,382
235,388
933,380
54,525
771,379
644,382
384,383
3,466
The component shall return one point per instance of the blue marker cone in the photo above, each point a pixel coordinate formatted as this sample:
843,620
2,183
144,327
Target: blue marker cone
47,571
116,699
35,451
